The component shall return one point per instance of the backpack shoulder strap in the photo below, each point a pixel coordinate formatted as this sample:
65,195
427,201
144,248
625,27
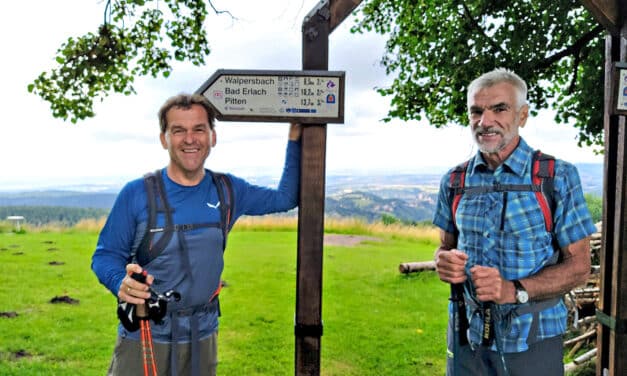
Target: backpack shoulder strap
542,175
157,202
227,205
456,186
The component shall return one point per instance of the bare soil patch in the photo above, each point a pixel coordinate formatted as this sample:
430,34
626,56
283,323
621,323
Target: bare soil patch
19,354
63,299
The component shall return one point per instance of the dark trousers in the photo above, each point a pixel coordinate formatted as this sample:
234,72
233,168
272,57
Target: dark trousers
544,358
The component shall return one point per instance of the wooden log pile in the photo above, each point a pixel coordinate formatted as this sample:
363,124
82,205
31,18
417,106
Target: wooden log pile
582,322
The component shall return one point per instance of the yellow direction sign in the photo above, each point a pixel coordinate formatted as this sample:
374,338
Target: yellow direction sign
276,96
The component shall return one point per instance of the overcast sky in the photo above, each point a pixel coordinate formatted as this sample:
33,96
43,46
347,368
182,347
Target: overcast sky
121,142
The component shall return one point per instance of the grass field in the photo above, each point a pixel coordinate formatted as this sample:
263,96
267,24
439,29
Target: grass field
376,320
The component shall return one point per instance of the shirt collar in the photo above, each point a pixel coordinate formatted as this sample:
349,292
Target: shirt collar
517,161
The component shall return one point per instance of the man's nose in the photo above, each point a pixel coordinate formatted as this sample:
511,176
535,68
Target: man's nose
189,137
487,118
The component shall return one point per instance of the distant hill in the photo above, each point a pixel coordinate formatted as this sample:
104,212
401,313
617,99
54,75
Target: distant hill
404,196
76,199
591,175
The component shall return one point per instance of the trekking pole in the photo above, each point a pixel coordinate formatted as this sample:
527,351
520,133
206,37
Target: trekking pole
499,344
460,323
148,355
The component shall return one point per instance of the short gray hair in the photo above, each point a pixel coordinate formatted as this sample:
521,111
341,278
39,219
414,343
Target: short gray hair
185,101
497,76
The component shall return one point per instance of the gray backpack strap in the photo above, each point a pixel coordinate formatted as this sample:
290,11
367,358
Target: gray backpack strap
227,205
157,202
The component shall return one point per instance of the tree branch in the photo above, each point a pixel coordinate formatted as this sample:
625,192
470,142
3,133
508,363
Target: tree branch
574,49
476,26
216,11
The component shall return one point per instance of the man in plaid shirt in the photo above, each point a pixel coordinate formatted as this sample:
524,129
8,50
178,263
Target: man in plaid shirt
496,243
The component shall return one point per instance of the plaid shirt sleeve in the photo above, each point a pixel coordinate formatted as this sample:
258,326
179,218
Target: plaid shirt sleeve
442,217
571,218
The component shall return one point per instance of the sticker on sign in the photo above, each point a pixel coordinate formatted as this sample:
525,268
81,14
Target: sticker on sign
276,96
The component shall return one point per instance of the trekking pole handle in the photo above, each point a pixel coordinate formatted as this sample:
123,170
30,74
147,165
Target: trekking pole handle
141,310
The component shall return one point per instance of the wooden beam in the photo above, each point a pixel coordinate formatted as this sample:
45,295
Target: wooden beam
308,318
607,13
340,9
612,305
316,28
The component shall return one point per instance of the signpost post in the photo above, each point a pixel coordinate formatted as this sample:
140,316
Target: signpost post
313,97
317,26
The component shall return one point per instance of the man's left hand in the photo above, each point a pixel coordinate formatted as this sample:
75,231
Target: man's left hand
490,286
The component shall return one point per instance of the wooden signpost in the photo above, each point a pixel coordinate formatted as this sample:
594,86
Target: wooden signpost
317,26
312,97
612,307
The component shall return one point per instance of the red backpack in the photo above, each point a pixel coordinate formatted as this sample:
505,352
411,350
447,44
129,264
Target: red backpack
542,176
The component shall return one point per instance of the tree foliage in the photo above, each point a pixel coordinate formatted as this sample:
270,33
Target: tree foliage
435,48
136,38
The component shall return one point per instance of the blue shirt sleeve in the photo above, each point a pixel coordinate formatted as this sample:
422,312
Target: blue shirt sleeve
117,236
256,200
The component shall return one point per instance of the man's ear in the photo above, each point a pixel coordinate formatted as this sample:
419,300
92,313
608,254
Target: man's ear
164,142
523,114
212,137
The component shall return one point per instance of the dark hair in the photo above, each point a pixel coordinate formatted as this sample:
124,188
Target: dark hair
185,101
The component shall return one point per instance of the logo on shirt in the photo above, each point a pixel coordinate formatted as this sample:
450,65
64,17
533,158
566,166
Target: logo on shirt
214,206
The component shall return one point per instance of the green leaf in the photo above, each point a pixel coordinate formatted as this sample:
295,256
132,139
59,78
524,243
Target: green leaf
131,42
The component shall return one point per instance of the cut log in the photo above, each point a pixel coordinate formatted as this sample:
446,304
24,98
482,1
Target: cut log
585,357
582,337
579,361
410,267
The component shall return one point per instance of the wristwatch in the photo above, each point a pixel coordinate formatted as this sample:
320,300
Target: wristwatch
521,294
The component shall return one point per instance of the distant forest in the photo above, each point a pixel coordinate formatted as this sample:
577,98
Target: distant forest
41,215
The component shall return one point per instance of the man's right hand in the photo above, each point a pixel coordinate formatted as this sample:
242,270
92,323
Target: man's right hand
133,291
295,132
451,265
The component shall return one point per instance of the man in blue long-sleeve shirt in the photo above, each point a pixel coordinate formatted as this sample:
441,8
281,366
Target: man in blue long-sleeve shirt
190,258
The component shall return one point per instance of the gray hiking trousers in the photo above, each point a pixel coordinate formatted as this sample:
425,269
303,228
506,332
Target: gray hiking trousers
128,358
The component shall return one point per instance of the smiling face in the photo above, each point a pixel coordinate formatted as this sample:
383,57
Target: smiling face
188,139
495,117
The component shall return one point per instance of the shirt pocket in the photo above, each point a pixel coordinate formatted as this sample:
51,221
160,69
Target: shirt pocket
523,215
477,218
521,256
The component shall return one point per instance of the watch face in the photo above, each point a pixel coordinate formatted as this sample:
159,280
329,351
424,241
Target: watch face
522,296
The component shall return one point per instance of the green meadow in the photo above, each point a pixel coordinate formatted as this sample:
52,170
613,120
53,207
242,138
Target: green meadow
377,321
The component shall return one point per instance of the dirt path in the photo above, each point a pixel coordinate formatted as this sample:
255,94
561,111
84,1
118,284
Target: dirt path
346,240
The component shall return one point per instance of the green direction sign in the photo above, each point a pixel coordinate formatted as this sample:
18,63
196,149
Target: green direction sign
276,96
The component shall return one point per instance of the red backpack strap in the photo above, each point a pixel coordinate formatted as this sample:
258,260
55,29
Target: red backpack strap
457,179
542,175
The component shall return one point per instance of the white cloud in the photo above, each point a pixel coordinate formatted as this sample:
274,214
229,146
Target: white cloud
122,140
